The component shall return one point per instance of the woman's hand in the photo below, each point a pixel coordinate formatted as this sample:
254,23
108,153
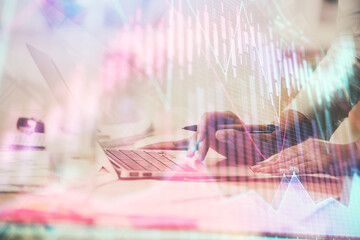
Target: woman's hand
243,147
198,144
311,156
237,146
205,137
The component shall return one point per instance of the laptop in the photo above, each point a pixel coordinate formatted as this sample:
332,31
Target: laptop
139,163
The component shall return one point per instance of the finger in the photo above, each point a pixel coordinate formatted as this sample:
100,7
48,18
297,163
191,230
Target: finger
270,168
304,167
277,168
273,161
297,164
230,118
289,154
226,135
196,164
230,144
212,119
322,164
193,146
207,122
182,143
207,128
255,147
239,147
203,148
268,162
280,165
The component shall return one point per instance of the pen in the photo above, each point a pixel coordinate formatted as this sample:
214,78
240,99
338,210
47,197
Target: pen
269,128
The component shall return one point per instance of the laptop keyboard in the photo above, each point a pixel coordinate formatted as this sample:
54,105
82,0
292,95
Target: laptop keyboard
140,160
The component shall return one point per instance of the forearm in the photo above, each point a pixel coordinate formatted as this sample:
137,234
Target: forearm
334,88
332,91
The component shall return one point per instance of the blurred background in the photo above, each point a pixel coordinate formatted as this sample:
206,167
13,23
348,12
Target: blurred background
165,61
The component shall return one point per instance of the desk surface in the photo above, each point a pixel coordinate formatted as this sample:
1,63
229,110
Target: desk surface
118,205
143,193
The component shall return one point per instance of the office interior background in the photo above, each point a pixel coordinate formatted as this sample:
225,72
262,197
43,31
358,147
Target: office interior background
127,45
163,62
